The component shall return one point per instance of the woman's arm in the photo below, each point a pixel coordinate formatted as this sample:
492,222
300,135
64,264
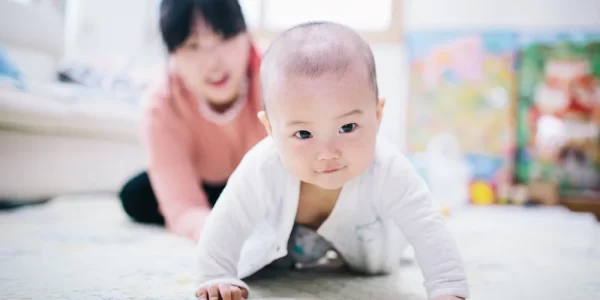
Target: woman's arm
174,180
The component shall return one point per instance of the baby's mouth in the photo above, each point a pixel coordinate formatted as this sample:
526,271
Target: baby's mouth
331,170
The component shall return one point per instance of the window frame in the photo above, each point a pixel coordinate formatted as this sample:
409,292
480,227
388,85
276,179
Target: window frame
393,34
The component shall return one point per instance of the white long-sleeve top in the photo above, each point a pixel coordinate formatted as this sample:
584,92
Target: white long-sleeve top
375,216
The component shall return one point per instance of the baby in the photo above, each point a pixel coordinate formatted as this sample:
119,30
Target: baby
323,171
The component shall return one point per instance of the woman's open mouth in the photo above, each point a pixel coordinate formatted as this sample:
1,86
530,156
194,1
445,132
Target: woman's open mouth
219,82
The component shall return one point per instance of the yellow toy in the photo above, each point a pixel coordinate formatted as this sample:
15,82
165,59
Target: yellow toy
482,193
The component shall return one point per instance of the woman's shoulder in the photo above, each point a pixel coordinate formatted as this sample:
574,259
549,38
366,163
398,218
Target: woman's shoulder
156,94
157,104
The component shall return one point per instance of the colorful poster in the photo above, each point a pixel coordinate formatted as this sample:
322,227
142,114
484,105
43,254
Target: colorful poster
559,110
463,84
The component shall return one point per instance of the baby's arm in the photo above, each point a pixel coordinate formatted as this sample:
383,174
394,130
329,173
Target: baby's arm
231,221
407,201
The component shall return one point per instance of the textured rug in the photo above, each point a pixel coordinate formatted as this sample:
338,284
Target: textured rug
86,248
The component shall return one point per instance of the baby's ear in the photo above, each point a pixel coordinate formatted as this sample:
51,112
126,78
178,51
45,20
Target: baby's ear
262,116
379,111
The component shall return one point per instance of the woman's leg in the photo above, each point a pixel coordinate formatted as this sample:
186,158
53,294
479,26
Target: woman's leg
139,201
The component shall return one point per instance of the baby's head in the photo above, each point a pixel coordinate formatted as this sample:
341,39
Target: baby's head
321,102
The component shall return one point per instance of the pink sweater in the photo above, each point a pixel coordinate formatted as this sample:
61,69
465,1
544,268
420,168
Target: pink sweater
188,143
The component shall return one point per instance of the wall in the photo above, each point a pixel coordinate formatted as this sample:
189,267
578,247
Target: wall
516,14
109,28
391,65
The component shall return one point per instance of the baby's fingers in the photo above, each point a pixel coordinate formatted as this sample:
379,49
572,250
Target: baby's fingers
201,293
225,290
222,291
213,292
236,293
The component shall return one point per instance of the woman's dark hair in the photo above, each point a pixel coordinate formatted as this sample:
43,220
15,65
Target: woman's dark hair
177,17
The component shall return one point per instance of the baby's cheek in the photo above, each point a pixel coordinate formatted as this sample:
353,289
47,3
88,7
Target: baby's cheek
362,150
360,139
297,150
297,160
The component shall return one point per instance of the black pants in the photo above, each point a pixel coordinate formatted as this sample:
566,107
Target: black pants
139,201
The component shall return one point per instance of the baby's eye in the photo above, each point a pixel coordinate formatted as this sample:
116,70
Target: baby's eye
348,128
303,134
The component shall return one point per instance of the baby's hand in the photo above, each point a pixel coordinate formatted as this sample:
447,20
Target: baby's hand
222,292
447,298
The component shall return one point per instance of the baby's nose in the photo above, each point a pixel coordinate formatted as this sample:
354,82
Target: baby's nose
329,151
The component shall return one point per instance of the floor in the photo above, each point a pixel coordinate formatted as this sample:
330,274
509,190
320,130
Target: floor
85,248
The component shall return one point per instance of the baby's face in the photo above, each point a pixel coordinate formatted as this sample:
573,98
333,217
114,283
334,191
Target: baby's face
325,128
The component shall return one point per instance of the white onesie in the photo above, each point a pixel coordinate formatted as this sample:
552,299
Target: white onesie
375,217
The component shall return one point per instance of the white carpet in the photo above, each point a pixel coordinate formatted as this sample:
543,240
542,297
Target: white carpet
86,248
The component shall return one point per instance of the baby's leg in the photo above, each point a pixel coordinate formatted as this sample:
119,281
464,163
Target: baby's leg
311,251
307,250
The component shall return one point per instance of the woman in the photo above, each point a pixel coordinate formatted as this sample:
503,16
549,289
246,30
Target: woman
201,119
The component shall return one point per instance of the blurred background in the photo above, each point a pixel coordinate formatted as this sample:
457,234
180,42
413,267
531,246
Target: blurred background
503,95
496,103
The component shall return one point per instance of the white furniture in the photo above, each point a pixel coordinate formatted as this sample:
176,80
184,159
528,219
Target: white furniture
57,139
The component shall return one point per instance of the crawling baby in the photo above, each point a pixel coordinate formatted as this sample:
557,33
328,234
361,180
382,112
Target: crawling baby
322,181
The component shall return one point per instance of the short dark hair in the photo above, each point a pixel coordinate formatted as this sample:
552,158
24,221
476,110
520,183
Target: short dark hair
177,17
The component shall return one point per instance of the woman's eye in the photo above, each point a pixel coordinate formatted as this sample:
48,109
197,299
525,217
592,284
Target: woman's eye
303,134
192,46
348,128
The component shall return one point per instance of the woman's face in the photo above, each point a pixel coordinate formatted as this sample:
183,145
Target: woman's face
212,66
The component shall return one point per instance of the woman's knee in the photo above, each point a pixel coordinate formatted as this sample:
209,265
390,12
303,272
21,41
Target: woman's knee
130,198
135,188
139,201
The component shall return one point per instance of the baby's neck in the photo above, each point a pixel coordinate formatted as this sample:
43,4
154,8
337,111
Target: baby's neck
324,195
315,205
